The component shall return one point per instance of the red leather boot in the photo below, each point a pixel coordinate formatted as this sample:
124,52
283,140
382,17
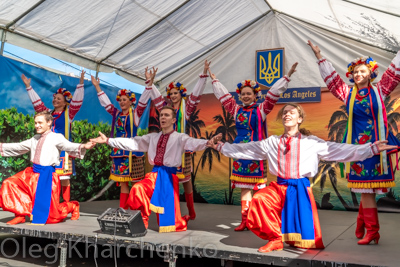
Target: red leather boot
190,206
372,225
360,230
18,219
66,193
123,198
245,210
272,245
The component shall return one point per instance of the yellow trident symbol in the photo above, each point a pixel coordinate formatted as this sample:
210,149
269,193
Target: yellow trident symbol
272,72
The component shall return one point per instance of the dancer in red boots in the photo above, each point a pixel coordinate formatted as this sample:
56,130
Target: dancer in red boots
127,166
35,191
367,123
159,191
66,106
285,211
250,119
176,92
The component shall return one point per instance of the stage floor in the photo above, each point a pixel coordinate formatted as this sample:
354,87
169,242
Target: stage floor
211,235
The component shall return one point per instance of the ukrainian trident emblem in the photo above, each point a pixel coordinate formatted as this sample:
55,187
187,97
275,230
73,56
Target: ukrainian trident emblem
269,66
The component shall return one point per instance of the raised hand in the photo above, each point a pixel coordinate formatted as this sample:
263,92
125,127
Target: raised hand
315,49
26,81
206,66
382,145
292,69
102,139
96,83
150,75
212,75
82,77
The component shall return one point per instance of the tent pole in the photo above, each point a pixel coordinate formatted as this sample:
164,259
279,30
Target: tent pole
3,40
97,70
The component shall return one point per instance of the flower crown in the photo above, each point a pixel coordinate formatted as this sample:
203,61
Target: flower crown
252,84
67,94
178,86
368,61
127,93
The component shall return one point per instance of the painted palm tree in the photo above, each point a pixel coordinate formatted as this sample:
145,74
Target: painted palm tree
208,156
228,130
393,117
337,124
327,169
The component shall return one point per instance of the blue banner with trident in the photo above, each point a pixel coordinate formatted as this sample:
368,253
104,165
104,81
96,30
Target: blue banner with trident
269,66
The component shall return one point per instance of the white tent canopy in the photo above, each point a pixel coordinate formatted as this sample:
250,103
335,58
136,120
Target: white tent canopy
176,36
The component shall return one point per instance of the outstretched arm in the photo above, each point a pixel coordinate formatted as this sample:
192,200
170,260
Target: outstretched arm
194,98
155,95
250,151
223,95
391,77
103,98
138,143
276,90
37,103
335,84
77,98
15,149
332,151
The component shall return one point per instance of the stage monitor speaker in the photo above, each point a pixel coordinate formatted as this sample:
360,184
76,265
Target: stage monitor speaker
122,222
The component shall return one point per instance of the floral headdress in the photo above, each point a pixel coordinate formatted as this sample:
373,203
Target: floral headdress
127,93
252,84
178,86
368,61
67,94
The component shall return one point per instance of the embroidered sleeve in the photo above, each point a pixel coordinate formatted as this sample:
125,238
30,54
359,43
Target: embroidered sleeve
391,77
38,105
225,97
333,81
332,151
156,97
250,151
273,94
15,149
194,98
105,102
142,103
76,102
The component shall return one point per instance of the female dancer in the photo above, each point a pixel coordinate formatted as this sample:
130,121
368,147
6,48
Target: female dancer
126,166
66,107
176,92
249,174
286,210
367,123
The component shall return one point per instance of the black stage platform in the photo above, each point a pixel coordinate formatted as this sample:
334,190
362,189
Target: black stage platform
211,235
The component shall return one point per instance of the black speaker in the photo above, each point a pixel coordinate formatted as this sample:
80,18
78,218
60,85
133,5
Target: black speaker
122,222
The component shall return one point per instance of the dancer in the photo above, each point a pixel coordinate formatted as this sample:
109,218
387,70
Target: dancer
127,166
24,193
176,92
250,119
286,210
367,123
65,107
159,191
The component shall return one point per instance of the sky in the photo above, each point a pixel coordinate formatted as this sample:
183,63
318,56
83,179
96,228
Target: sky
43,60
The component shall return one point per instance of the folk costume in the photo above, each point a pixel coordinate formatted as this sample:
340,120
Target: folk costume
251,126
182,115
286,210
62,124
127,165
367,123
35,191
159,191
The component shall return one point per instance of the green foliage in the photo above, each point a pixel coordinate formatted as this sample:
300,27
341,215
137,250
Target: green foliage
14,128
91,173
